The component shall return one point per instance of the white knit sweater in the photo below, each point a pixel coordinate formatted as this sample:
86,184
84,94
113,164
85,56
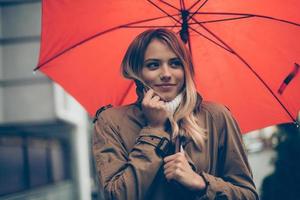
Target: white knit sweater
171,106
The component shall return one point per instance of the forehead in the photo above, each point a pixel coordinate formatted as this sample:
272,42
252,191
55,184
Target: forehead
159,49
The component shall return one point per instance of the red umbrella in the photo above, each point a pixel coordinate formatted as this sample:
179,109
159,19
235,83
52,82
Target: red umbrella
246,53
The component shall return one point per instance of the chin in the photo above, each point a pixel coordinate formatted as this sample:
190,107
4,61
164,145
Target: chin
168,98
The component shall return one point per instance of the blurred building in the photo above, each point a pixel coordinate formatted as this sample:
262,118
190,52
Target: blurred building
44,133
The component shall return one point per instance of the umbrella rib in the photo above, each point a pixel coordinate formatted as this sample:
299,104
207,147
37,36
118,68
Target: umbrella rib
182,5
225,47
211,40
203,4
94,36
214,35
194,5
253,71
174,26
151,26
170,5
163,11
250,15
267,87
276,19
221,20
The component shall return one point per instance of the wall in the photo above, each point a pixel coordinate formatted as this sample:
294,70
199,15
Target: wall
32,99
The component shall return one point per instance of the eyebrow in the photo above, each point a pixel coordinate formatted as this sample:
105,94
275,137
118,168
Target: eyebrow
175,58
156,59
152,59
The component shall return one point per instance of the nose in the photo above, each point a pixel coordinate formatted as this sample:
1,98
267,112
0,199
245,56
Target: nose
165,74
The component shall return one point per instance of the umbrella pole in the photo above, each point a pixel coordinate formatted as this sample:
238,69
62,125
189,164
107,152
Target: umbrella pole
184,31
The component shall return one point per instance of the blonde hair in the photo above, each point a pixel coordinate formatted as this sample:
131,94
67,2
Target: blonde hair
184,120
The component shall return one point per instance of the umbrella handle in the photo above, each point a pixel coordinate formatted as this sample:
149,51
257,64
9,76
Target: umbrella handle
289,78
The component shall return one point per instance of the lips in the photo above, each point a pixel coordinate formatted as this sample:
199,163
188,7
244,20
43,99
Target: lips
166,86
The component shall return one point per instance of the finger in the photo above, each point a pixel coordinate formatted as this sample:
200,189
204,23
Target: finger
169,158
160,96
148,95
177,163
180,154
173,175
158,104
162,104
174,163
170,164
181,158
169,170
174,167
174,156
169,175
155,99
154,103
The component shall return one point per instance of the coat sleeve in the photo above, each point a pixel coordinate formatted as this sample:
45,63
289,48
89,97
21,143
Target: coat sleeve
123,174
234,179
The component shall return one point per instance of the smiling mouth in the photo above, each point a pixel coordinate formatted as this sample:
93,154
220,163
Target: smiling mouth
165,85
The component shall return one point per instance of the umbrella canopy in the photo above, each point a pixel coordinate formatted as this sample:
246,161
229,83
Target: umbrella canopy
246,53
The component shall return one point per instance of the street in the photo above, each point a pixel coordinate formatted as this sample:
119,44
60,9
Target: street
261,164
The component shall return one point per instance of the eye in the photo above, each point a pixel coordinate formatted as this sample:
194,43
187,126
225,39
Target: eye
152,65
176,63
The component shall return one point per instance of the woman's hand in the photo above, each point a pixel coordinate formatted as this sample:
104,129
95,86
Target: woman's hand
154,110
177,168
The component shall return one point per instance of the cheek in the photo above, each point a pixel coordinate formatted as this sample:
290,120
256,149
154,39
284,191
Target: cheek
149,76
181,77
182,81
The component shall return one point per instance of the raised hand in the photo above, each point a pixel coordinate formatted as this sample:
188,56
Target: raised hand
154,110
177,168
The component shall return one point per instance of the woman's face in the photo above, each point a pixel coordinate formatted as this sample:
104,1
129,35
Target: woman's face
162,70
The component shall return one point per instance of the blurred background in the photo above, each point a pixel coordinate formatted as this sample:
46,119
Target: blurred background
45,135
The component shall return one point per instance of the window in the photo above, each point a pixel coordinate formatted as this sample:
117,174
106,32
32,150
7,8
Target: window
11,165
27,162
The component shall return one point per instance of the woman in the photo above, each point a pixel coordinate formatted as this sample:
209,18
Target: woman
169,144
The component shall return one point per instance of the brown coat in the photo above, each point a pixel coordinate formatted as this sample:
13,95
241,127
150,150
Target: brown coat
132,170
